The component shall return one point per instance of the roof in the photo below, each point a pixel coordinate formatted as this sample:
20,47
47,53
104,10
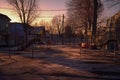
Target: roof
2,16
38,30
21,24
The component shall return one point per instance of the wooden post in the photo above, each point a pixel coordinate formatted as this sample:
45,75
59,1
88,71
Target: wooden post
80,47
62,35
9,45
32,51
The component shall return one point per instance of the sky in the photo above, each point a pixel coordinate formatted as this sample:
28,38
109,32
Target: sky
47,5
42,4
109,11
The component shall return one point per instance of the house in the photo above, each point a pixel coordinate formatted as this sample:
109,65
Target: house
4,23
4,29
17,33
38,32
113,23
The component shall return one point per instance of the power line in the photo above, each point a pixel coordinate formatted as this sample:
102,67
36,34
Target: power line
53,10
47,10
5,8
39,10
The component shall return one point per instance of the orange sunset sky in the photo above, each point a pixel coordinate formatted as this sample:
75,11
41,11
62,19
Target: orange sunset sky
43,5
49,5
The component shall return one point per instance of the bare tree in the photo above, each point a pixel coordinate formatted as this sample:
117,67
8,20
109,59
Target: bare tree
84,13
113,3
69,33
25,10
81,12
49,26
58,21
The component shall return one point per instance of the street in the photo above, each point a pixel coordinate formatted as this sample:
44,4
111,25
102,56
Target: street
59,62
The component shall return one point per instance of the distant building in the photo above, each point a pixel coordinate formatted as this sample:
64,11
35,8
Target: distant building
4,29
38,32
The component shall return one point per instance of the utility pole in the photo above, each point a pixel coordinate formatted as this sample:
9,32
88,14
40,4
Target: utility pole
110,31
63,17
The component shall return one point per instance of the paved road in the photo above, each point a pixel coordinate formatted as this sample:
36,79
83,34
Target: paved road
59,63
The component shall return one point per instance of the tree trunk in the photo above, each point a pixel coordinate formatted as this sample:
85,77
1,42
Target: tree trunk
26,32
94,27
62,35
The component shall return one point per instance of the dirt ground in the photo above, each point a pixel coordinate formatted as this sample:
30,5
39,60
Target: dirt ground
59,62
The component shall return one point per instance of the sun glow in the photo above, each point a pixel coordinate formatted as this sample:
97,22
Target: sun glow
46,16
12,15
15,18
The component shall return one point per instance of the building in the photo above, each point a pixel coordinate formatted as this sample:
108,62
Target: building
18,33
4,29
39,30
38,33
113,23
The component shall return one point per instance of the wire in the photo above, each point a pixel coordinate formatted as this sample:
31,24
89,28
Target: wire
51,10
40,10
6,8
